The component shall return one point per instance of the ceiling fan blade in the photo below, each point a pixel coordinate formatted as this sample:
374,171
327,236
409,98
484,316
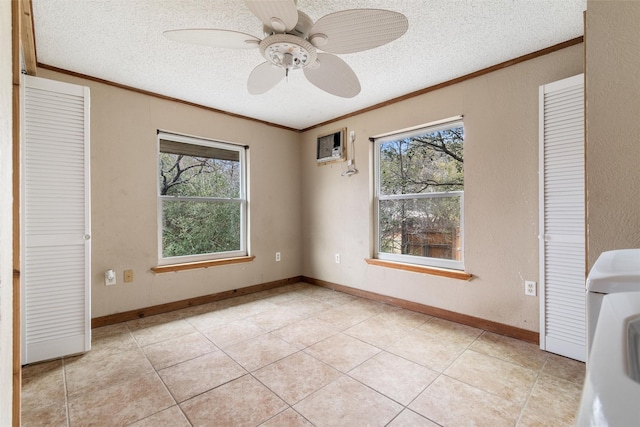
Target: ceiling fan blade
264,77
333,75
214,38
356,30
280,15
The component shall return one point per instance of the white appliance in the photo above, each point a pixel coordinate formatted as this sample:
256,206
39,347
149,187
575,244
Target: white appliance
611,392
613,271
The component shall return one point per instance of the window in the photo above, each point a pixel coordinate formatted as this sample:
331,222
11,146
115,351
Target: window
419,195
201,199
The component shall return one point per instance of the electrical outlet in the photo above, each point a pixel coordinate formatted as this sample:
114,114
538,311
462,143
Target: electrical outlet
337,258
277,256
109,277
128,276
530,288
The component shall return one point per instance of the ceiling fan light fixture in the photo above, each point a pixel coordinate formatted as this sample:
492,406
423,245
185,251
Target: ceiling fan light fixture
278,25
293,41
319,40
298,52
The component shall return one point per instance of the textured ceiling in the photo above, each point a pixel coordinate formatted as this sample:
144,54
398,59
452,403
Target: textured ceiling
121,41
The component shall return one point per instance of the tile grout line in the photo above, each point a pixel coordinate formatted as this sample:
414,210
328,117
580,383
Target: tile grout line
305,316
198,394
523,405
301,348
289,406
155,371
337,331
409,330
440,374
66,398
533,386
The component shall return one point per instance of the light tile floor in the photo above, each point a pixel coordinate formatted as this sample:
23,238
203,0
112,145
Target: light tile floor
301,355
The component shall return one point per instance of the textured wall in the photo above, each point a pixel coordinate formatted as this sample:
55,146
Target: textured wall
613,125
501,195
311,212
124,198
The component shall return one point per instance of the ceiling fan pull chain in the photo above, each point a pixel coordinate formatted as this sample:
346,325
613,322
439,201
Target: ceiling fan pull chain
287,62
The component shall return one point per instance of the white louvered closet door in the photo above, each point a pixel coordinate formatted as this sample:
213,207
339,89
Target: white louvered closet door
55,215
562,218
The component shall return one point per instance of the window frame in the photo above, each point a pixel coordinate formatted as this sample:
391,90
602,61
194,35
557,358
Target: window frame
378,197
242,199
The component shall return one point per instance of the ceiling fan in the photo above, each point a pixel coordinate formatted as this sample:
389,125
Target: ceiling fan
292,42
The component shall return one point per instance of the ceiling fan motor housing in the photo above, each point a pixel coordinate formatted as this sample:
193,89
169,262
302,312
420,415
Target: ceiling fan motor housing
288,51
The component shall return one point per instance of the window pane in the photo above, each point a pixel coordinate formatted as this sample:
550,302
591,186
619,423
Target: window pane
429,162
426,227
195,228
196,176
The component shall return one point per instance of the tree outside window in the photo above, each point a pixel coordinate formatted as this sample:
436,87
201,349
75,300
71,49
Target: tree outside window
202,199
420,196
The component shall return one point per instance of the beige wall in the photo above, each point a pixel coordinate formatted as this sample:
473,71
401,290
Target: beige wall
501,195
613,125
310,212
124,205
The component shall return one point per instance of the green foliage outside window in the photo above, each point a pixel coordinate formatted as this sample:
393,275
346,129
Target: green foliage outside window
195,228
422,170
201,209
